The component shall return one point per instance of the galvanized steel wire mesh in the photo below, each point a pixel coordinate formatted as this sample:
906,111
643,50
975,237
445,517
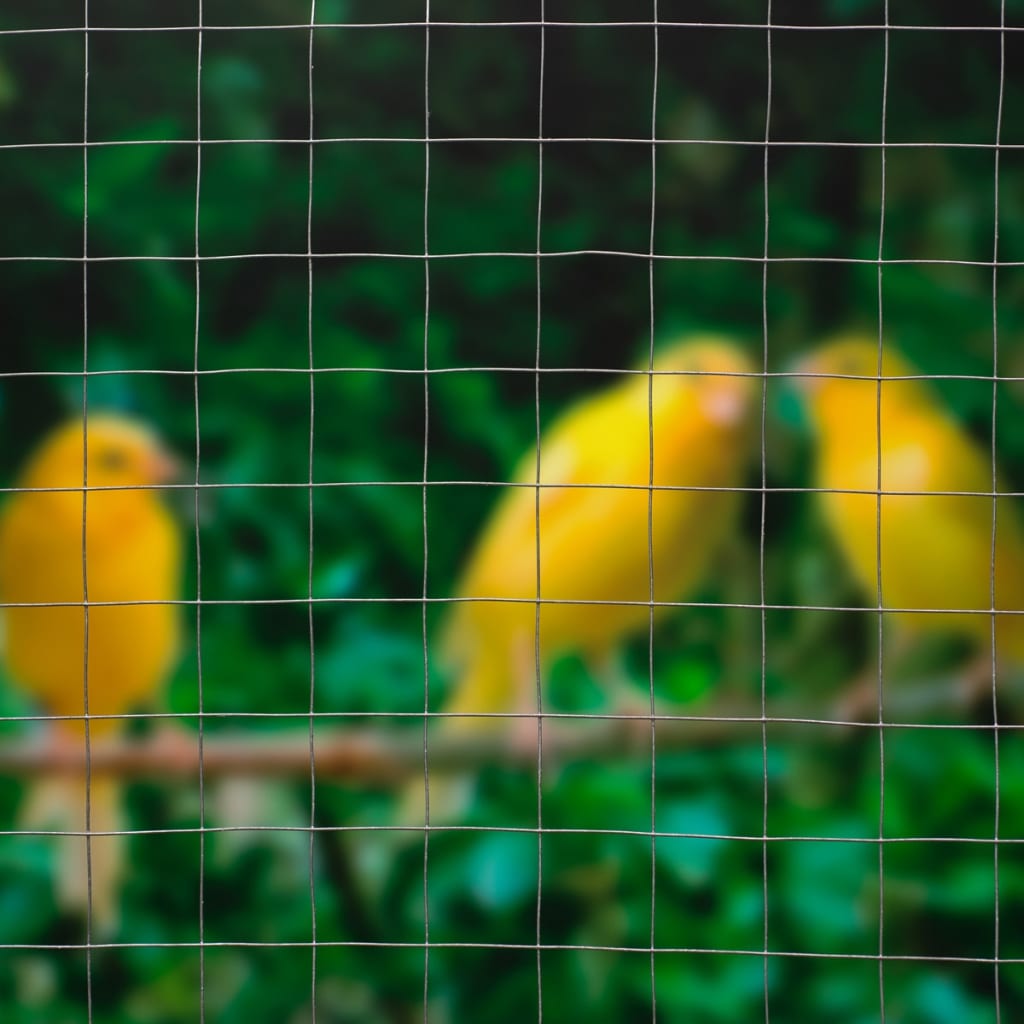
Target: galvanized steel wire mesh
353,259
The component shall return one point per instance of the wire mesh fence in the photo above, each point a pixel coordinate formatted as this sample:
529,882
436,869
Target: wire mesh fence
537,529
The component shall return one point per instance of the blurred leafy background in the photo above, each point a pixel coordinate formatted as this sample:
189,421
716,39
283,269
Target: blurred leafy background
250,344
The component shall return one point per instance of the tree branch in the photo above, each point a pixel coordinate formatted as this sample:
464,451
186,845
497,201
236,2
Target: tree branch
382,757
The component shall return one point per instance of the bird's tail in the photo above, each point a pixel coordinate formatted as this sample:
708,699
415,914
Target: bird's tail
450,796
85,868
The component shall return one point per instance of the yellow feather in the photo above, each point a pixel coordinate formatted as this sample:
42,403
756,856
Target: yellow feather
132,554
936,548
592,510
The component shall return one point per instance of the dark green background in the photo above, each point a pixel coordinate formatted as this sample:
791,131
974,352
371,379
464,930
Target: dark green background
367,317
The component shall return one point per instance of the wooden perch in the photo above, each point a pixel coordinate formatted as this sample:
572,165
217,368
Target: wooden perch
359,754
386,757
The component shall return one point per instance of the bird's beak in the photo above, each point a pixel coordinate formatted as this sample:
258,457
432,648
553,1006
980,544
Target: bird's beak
171,471
725,401
165,467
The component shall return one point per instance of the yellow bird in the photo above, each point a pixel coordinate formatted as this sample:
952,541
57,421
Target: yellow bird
685,427
936,547
132,553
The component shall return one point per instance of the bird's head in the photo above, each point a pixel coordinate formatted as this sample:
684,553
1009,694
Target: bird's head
840,380
107,451
719,374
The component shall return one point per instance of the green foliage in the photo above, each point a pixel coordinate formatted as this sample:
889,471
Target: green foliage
233,343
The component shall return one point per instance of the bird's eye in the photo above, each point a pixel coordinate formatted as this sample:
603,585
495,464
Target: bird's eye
111,459
854,367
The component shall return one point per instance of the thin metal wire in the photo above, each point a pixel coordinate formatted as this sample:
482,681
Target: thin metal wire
589,716
520,254
310,527
548,830
525,23
764,513
503,484
406,371
997,778
495,599
89,923
548,947
548,715
538,680
878,538
523,140
650,510
426,544
201,734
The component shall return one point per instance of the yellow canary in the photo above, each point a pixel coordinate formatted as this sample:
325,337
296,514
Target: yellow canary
132,553
592,530
936,546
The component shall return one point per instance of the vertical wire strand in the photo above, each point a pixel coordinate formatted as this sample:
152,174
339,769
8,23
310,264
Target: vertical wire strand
195,512
538,682
89,924
764,515
650,504
878,536
426,545
997,782
310,528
